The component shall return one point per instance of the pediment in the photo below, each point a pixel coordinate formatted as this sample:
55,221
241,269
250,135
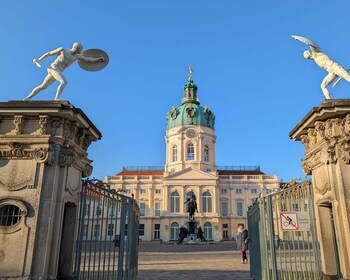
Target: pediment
191,174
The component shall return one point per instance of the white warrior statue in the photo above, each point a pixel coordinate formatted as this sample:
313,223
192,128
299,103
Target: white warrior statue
334,69
91,60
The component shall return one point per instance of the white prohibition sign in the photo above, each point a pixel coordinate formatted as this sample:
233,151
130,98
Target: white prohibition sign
289,221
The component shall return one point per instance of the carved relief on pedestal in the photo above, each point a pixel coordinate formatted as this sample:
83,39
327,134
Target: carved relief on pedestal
345,151
16,175
321,184
53,126
70,130
66,157
86,141
329,136
43,124
16,150
347,124
18,122
325,155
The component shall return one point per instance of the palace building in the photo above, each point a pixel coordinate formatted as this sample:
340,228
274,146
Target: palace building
223,193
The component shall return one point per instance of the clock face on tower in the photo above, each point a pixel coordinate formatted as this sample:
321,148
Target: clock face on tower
190,133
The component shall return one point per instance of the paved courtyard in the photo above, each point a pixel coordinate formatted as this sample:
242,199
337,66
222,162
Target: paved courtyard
219,261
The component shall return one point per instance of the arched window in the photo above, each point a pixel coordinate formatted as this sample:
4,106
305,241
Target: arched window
206,153
208,231
175,229
174,202
206,202
190,151
174,153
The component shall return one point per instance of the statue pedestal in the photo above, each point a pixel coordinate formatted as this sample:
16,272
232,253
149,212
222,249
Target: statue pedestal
325,133
192,227
42,160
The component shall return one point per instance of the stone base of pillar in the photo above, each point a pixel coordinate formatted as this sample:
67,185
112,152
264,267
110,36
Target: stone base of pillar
43,156
325,133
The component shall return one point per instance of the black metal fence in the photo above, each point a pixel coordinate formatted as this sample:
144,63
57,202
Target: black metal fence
108,234
283,236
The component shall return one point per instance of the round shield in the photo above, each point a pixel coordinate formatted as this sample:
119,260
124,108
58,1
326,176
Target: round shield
94,66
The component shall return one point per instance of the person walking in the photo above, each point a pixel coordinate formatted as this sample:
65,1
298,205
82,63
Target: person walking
242,241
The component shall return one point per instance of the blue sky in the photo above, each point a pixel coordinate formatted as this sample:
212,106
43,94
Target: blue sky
248,69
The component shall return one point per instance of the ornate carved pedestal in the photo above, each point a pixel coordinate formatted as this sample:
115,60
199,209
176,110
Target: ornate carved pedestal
325,133
42,160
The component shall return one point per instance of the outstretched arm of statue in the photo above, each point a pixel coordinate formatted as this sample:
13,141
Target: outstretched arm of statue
46,55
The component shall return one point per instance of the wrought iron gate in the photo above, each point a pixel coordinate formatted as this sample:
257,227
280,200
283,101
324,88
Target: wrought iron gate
282,230
108,234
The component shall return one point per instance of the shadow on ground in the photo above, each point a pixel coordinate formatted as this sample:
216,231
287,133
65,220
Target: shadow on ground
192,275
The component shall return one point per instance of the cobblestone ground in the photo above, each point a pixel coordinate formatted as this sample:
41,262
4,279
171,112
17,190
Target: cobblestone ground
219,261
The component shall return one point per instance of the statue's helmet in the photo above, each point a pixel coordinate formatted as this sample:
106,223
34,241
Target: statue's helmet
307,54
77,47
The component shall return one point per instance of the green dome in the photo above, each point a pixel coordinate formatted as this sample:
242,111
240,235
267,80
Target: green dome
190,114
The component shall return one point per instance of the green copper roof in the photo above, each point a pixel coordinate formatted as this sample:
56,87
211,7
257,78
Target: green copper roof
190,112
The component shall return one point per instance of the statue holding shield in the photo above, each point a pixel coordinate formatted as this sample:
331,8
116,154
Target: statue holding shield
334,69
91,60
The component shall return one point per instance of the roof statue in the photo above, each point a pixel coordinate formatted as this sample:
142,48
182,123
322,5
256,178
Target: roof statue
190,72
91,60
335,71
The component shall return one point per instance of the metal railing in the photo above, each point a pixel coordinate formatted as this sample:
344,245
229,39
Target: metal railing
108,234
283,235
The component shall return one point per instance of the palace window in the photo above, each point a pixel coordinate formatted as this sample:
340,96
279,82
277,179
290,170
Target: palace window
208,231
98,210
206,202
190,151
174,153
174,202
142,209
142,191
87,209
175,229
158,191
238,191
156,231
110,230
206,153
254,191
157,209
85,231
223,191
97,231
224,209
239,206
141,229
225,231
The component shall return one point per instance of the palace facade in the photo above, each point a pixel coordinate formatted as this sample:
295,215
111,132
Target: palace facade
223,193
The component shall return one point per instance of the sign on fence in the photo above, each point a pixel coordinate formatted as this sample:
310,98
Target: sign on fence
295,221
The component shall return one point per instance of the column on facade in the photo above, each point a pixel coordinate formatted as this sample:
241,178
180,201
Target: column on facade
183,206
232,201
167,154
199,198
165,199
151,201
217,206
182,151
246,199
200,149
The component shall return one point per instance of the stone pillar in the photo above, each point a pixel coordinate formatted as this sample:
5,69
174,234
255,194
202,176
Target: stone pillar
325,133
42,160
